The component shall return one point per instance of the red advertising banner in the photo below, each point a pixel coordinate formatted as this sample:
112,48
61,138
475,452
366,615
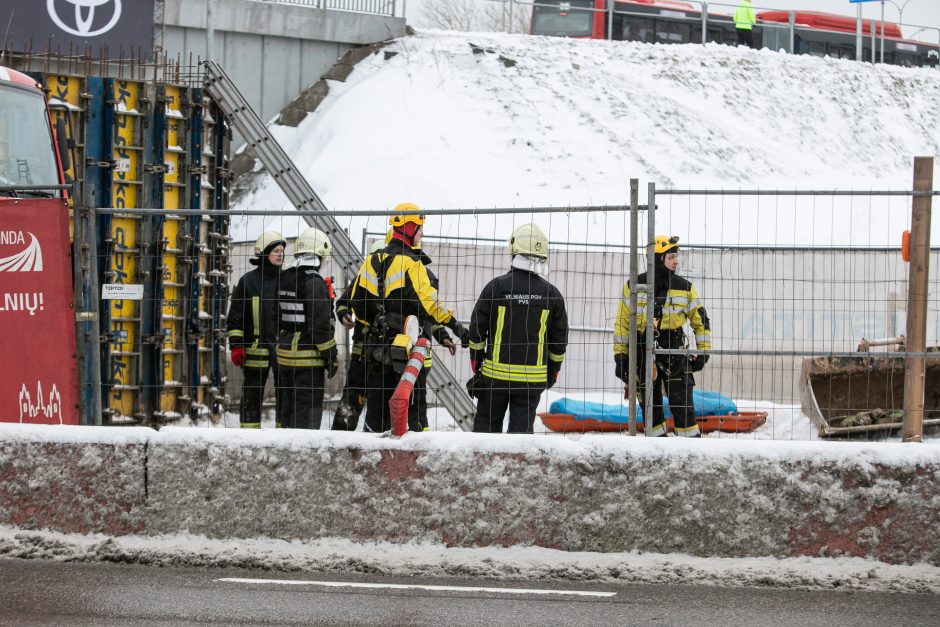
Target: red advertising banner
38,369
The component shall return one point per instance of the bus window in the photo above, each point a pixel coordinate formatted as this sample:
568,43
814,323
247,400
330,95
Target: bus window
570,18
814,48
841,52
670,32
639,29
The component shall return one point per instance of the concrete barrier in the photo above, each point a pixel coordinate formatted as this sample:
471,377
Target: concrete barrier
73,479
704,498
724,498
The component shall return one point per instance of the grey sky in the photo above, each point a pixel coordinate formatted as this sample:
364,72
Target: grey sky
916,12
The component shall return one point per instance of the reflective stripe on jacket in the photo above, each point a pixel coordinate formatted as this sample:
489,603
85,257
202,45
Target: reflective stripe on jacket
408,290
519,329
251,322
306,328
680,305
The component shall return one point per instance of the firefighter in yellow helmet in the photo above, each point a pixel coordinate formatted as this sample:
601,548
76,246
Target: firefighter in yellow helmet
429,330
390,286
252,323
306,346
518,337
676,303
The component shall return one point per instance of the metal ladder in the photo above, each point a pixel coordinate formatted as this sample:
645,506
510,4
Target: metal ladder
299,191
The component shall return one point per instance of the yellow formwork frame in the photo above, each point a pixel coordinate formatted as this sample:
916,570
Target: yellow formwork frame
68,89
126,191
174,280
206,199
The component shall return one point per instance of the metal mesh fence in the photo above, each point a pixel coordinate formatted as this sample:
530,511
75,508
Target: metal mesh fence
792,282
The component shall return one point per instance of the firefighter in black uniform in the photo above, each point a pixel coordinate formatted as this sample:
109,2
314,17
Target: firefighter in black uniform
353,398
518,337
306,346
676,303
390,286
252,323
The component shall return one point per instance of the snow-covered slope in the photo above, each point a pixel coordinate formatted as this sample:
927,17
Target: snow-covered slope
483,120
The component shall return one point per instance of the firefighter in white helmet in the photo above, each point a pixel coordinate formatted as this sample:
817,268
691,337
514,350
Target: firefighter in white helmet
676,303
306,346
392,285
518,337
252,323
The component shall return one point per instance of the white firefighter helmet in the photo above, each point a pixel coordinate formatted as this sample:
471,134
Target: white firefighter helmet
376,246
529,240
313,241
268,239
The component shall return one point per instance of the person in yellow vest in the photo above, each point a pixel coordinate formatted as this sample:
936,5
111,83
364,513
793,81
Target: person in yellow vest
744,21
676,303
391,286
252,323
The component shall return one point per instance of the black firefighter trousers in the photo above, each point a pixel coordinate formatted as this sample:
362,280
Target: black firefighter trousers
300,397
495,398
253,393
381,382
672,373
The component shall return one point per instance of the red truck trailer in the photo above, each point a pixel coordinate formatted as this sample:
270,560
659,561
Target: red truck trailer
38,371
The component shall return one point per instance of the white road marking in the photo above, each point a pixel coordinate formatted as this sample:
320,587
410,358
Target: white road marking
396,586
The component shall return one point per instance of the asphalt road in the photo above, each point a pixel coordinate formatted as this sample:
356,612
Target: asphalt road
38,592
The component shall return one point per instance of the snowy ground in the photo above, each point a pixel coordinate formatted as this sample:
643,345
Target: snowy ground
342,556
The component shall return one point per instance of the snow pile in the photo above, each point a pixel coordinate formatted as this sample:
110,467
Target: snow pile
482,120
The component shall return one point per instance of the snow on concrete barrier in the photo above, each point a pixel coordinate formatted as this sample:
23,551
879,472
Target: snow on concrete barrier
726,498
73,479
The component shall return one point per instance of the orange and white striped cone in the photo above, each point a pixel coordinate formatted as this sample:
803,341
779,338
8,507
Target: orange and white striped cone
401,398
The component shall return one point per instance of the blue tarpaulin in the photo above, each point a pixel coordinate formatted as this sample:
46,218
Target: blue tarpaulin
706,404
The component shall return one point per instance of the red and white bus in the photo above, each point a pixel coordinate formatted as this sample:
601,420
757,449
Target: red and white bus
675,21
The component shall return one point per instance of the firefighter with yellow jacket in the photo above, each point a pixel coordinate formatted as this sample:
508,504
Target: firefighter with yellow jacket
676,303
518,337
392,285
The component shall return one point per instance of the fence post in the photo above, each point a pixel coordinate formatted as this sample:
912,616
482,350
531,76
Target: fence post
510,16
650,302
913,426
634,262
792,32
704,23
610,20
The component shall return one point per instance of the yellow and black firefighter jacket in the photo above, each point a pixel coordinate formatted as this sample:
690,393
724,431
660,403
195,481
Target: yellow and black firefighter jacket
407,292
679,304
519,330
344,308
306,330
252,315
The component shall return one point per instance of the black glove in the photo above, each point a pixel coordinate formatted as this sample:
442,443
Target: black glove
622,369
552,380
474,385
463,334
696,365
332,362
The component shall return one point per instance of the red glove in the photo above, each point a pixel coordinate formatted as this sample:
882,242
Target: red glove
473,366
238,356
